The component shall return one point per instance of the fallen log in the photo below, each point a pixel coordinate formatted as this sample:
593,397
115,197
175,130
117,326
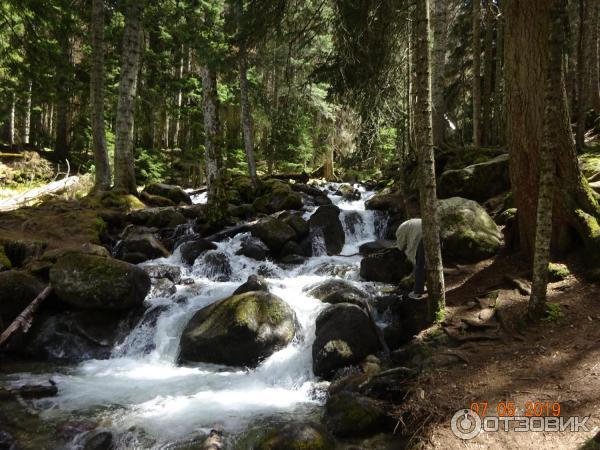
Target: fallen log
23,320
32,195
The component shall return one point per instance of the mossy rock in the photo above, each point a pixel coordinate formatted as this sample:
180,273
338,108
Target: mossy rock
174,193
17,290
468,232
351,415
242,186
5,263
279,200
95,282
273,185
273,232
558,272
297,436
112,199
156,200
241,330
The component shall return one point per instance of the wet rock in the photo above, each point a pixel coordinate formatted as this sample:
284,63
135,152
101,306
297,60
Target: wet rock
313,191
273,232
240,330
386,200
215,266
344,336
294,260
375,246
139,248
74,336
393,222
322,200
299,225
385,266
163,287
329,289
476,182
348,192
172,273
351,295
155,200
291,248
353,222
468,232
174,193
254,283
192,249
297,436
325,222
7,442
94,282
102,440
163,217
254,248
409,317
30,391
351,415
17,291
277,196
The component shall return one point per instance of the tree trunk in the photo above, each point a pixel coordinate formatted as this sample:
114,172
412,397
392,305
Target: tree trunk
594,84
102,173
552,119
328,173
179,98
498,138
582,72
130,63
573,16
439,26
488,64
476,72
11,121
426,164
27,115
526,64
246,117
61,149
212,149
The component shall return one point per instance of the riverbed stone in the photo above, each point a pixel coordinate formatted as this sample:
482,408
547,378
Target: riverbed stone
94,282
139,248
325,222
253,283
216,266
241,330
351,415
253,247
299,225
369,248
192,249
344,337
273,232
335,291
174,193
468,233
17,290
386,200
386,266
297,436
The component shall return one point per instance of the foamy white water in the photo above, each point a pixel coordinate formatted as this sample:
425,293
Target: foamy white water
142,386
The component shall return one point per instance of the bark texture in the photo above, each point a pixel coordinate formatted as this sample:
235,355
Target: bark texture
426,163
477,73
498,138
102,172
488,73
439,27
582,71
130,63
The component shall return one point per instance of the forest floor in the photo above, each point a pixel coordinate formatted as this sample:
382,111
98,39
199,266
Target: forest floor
555,361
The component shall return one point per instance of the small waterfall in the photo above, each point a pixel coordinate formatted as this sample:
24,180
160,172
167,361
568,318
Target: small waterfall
142,387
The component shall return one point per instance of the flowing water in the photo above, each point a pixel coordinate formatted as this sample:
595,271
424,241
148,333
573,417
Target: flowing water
141,389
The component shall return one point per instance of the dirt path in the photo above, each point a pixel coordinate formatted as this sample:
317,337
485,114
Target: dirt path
556,362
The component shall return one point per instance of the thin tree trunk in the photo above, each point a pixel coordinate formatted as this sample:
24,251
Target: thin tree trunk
102,172
498,138
573,15
130,63
178,99
594,86
328,173
439,26
426,163
552,118
246,117
11,120
488,64
476,72
582,73
212,148
27,116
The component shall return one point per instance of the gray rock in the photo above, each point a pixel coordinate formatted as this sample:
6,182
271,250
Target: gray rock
174,193
17,291
297,436
325,222
254,283
273,232
192,249
385,266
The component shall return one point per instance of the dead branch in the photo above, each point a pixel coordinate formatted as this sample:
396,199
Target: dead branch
32,195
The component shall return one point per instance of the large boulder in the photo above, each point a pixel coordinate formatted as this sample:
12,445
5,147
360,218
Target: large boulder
17,290
276,196
386,266
476,182
139,248
252,247
325,223
297,436
386,200
468,232
192,249
160,217
375,246
344,337
252,284
273,232
216,266
174,193
351,415
240,330
299,225
336,291
94,282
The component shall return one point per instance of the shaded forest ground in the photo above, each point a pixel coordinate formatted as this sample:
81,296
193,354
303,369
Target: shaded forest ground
557,360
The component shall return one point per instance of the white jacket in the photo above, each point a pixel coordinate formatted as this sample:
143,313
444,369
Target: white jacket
408,236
